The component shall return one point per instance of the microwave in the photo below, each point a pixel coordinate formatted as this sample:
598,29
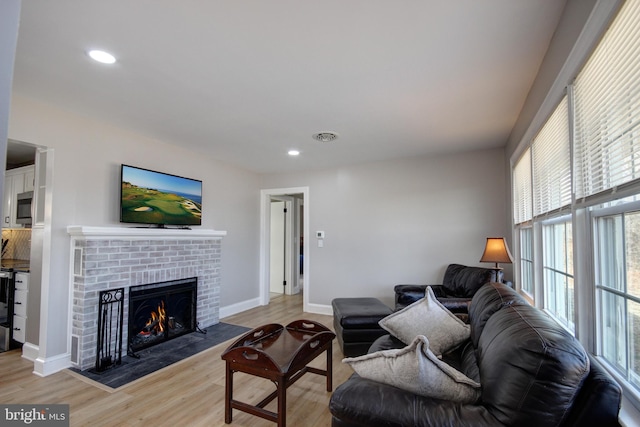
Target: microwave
23,207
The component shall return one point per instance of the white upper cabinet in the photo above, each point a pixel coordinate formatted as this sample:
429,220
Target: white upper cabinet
16,181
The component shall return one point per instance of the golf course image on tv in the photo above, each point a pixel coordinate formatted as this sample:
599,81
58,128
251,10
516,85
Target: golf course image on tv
149,197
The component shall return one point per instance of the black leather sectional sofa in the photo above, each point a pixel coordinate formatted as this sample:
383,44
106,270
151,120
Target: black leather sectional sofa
532,372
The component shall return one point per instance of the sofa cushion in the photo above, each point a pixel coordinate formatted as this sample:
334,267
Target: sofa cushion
415,368
531,368
490,298
462,281
468,362
360,402
430,318
463,358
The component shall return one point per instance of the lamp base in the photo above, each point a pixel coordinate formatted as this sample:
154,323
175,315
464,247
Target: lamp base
497,273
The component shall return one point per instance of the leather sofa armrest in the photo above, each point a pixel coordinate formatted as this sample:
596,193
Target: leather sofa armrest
408,294
409,288
599,400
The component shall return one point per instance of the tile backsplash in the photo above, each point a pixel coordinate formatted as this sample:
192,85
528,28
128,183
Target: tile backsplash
18,244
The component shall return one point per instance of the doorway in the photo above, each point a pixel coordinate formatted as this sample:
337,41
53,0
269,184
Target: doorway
286,252
284,260
20,154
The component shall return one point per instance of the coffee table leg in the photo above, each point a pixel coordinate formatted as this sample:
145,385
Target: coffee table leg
330,367
282,403
228,394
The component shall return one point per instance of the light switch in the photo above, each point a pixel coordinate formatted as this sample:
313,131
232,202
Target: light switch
320,243
320,234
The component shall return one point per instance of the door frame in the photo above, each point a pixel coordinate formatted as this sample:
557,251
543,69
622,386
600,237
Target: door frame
265,240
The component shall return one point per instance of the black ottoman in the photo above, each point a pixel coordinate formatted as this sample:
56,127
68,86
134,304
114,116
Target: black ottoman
356,323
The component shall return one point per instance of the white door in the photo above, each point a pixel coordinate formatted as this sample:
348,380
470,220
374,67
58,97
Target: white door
298,244
277,252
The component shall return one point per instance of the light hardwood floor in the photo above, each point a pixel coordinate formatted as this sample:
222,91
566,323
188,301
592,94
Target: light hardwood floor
188,393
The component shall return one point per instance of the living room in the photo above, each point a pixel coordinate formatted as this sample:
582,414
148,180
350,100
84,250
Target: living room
398,220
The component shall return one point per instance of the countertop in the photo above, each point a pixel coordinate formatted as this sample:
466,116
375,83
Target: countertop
16,265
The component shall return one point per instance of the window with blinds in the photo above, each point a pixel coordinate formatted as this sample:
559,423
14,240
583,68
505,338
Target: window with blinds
607,109
522,200
551,163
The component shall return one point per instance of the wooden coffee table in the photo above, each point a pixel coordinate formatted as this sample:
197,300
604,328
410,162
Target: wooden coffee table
280,354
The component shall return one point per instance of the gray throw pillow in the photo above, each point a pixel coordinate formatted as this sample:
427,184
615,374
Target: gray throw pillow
430,318
416,369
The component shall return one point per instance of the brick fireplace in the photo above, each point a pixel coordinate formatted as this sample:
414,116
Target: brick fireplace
106,258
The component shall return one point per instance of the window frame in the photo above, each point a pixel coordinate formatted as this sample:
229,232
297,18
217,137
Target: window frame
596,212
570,296
528,227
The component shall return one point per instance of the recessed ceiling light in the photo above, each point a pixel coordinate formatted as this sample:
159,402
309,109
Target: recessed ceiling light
325,136
102,56
293,152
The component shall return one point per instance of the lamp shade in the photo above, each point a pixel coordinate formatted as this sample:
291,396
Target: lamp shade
496,250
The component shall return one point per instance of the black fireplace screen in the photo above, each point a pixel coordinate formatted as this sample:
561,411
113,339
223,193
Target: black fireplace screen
161,311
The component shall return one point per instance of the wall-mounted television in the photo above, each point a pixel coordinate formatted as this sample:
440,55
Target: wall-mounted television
156,198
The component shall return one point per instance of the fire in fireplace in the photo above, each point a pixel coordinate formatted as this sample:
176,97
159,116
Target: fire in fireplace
161,311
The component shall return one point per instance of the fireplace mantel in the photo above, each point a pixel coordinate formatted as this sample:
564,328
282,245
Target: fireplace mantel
80,231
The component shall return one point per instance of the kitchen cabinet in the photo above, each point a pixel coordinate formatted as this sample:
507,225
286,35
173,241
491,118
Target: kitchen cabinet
29,178
20,306
8,206
16,181
19,328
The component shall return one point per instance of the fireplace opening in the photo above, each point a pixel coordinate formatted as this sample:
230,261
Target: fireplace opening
161,311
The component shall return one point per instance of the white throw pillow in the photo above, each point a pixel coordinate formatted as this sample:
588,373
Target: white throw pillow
416,369
430,318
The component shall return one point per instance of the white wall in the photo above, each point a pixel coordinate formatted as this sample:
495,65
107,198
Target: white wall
399,221
9,19
87,158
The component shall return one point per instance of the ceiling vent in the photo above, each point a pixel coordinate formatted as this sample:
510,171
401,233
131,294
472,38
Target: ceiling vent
325,136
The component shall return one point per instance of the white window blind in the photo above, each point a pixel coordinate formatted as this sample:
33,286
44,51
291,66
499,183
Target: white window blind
607,109
522,200
551,153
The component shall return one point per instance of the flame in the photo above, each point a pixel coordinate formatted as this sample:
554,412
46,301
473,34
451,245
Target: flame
155,324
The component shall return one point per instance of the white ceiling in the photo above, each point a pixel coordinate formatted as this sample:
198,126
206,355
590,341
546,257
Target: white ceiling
246,80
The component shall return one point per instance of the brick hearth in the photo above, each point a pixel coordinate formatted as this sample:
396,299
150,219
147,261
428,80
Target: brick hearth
110,257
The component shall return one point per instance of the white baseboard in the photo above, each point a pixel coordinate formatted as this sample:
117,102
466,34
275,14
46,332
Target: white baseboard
30,351
320,309
239,307
51,365
230,310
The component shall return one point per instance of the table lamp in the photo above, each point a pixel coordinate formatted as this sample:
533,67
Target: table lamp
496,250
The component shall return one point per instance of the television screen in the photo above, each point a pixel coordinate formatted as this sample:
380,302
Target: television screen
148,197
